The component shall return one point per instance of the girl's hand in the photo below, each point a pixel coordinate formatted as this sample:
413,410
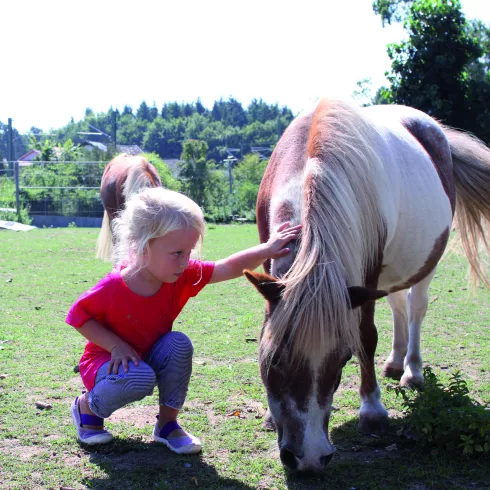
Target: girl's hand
276,244
121,354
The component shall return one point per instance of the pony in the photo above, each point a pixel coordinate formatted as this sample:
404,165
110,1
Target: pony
123,176
376,190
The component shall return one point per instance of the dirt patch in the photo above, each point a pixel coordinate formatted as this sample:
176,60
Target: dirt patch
209,361
14,447
212,419
255,409
73,461
139,417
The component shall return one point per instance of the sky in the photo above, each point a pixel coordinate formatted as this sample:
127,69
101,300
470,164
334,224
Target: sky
61,56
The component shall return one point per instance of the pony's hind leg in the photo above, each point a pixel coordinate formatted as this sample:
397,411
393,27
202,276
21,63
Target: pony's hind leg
393,367
418,301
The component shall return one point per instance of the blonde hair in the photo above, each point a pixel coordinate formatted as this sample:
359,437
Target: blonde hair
152,213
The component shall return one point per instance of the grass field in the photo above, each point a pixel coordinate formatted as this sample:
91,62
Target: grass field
41,274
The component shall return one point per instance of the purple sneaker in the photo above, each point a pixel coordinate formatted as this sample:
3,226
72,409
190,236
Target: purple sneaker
188,444
89,436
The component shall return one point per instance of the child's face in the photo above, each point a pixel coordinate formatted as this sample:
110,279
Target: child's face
168,256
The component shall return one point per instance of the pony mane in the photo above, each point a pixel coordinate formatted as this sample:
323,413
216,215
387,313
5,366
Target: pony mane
342,230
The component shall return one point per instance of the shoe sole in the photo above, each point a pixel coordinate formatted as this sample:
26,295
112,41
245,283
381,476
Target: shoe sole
189,449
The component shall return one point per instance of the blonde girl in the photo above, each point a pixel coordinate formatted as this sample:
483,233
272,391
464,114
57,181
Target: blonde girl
127,317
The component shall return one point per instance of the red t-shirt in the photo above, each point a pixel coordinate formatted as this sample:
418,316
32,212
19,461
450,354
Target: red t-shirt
138,320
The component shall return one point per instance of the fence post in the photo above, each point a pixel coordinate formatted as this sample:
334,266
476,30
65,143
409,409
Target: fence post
10,148
17,193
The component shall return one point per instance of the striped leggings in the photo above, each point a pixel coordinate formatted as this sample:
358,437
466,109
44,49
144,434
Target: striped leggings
168,365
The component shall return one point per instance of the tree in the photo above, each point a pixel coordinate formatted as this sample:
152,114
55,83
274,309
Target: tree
153,112
19,143
127,110
200,109
70,152
46,149
430,69
217,110
248,175
251,169
171,110
195,173
234,115
143,112
168,180
165,137
187,110
389,10
363,94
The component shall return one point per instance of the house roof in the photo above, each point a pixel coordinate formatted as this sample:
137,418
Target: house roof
29,156
129,149
97,144
174,165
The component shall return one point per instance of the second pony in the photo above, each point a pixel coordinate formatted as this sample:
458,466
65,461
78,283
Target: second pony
123,176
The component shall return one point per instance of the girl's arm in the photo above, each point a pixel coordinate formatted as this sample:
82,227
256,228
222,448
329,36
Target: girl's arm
251,258
121,352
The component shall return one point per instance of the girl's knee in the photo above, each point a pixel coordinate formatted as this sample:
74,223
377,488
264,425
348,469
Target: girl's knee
144,377
181,344
139,379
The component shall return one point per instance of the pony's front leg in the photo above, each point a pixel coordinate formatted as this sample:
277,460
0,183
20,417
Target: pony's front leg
373,417
394,367
418,301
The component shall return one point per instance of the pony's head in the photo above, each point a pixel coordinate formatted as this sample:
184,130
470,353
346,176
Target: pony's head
300,383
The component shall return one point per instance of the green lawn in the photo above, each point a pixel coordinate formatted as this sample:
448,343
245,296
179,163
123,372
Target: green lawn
41,274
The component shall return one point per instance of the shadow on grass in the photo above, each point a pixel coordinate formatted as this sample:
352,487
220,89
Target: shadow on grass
389,461
130,465
362,461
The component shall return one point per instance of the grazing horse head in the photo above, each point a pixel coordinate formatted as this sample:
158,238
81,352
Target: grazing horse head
374,190
300,383
123,176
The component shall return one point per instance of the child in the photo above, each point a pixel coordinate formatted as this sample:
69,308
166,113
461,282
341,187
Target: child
127,317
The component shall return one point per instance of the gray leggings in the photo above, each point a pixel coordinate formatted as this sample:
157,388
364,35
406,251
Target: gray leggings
168,365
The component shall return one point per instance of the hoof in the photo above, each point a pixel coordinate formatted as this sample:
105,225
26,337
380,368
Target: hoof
392,372
412,382
370,425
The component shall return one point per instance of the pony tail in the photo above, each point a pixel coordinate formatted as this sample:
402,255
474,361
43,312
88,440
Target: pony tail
471,160
104,247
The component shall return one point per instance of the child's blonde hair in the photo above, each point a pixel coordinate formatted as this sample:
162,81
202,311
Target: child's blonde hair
152,213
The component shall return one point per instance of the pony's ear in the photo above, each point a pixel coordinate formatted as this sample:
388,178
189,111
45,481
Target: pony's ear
359,295
265,284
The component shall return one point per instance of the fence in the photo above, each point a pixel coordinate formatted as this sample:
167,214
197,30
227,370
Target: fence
52,192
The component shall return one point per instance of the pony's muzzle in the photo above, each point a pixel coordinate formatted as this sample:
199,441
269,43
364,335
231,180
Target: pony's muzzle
295,463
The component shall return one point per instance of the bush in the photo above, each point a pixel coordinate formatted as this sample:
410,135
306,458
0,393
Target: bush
12,216
445,417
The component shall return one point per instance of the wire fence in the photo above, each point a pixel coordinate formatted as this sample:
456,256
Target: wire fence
51,188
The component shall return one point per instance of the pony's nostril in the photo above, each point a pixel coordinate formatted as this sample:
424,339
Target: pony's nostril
288,459
324,460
